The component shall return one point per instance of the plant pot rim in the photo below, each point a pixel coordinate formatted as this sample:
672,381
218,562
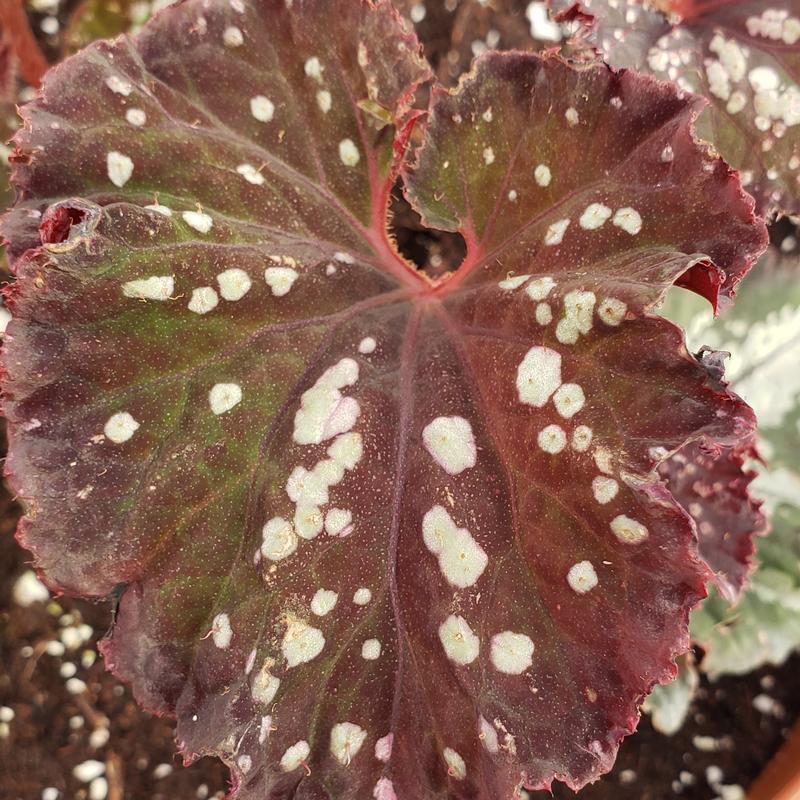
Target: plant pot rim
780,779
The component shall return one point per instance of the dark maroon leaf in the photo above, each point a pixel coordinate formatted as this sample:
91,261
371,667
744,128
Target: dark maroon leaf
742,56
362,552
712,484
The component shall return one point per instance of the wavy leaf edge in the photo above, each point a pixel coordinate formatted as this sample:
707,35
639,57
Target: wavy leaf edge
694,277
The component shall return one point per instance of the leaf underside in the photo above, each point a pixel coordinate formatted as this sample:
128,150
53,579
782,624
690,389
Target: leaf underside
379,536
743,57
762,332
764,628
713,485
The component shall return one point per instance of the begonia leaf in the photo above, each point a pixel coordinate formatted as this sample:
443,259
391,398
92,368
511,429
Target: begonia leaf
762,333
713,485
8,124
744,57
375,535
764,627
668,705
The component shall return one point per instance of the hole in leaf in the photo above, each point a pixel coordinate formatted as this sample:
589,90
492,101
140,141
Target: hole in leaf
434,252
784,234
58,221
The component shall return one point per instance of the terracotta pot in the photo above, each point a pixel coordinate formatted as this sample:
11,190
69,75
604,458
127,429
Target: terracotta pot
781,779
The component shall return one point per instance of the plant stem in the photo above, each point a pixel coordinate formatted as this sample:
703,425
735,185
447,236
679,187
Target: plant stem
14,21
